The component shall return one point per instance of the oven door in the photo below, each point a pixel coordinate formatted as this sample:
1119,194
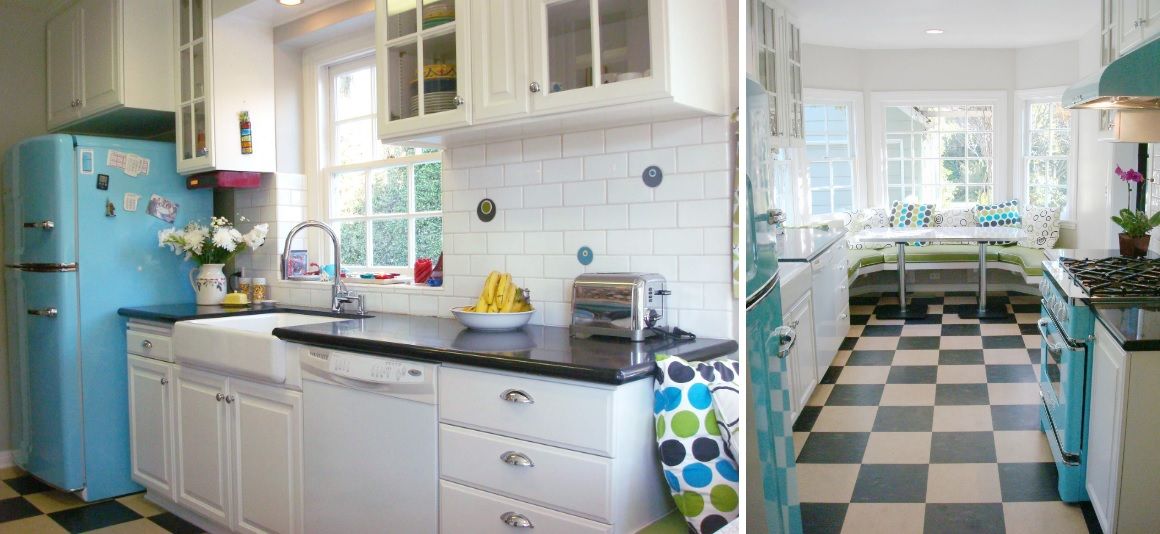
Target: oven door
1062,370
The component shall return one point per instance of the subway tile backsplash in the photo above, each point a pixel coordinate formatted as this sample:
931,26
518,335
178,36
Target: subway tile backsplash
554,195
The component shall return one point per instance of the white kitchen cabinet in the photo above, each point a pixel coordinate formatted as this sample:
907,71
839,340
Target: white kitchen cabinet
224,68
798,314
533,60
109,54
1122,469
1133,22
499,50
505,447
425,42
774,42
239,452
151,424
831,298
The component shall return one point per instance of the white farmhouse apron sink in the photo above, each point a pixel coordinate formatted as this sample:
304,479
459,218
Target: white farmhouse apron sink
240,346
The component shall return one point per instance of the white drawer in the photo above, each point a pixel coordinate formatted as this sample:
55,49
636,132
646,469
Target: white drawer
150,345
567,415
463,509
478,459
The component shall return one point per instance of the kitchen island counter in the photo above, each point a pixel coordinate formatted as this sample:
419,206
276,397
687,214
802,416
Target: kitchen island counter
542,350
806,244
1135,327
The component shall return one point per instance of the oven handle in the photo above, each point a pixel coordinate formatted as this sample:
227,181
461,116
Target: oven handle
1068,342
1052,348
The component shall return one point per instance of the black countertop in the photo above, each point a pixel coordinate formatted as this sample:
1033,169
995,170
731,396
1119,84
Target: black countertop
542,350
1135,327
1087,254
806,244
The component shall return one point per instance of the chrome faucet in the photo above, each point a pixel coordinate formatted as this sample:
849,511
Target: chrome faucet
339,294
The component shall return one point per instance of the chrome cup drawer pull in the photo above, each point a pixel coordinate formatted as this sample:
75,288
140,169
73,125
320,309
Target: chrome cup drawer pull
516,520
146,344
517,396
517,459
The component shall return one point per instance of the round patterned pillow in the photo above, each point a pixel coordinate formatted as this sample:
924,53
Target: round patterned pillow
698,465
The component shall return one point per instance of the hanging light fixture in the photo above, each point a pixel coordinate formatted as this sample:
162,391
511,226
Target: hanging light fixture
290,2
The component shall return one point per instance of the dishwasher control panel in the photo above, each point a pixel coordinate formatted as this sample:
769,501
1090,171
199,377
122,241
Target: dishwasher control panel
372,369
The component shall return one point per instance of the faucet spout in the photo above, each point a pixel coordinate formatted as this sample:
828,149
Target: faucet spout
339,294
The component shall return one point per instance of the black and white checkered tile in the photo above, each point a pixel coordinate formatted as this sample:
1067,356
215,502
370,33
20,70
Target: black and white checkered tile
932,426
28,505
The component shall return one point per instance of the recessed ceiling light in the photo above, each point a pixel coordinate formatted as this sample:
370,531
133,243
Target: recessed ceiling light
289,2
934,31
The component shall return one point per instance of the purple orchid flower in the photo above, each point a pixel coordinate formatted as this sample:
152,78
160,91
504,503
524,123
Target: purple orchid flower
1130,175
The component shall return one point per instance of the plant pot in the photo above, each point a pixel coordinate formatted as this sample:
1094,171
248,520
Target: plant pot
1134,247
209,283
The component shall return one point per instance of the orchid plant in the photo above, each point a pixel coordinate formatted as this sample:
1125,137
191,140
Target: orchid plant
217,243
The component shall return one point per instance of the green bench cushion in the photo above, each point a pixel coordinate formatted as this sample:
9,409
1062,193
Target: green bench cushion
1028,259
674,523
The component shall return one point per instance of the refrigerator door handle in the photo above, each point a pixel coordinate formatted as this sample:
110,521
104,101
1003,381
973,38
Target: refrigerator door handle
44,225
43,267
51,313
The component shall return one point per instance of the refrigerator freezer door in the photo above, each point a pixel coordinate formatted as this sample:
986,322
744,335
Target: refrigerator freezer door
45,374
760,242
771,472
40,200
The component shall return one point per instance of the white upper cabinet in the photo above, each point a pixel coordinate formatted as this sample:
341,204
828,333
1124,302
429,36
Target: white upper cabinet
425,42
224,91
1135,22
536,59
104,55
774,44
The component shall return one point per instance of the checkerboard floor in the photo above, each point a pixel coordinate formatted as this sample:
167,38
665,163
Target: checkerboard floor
28,505
932,426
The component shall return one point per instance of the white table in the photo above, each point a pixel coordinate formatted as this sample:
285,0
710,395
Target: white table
901,236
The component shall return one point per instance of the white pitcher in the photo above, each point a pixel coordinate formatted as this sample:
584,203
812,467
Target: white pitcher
210,284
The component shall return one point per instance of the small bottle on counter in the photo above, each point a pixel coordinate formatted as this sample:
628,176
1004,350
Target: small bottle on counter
246,285
258,290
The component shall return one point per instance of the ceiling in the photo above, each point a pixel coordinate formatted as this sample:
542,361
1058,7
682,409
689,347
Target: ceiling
898,24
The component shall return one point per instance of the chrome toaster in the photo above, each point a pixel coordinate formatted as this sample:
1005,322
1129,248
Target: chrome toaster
627,305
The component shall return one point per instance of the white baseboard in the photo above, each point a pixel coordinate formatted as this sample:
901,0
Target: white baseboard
6,459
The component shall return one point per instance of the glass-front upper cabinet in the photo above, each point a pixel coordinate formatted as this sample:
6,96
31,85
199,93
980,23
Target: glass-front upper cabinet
796,108
423,74
193,121
595,50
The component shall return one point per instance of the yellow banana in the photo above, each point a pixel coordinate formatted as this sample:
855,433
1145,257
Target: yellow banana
489,286
502,291
509,299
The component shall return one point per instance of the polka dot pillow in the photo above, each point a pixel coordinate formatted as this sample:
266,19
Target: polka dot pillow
868,218
996,215
955,218
699,468
904,215
1041,224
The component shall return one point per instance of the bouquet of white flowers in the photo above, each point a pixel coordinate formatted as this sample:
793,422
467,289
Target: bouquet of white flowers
215,244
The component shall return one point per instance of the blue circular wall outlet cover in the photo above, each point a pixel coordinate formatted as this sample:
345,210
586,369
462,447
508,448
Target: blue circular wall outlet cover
584,255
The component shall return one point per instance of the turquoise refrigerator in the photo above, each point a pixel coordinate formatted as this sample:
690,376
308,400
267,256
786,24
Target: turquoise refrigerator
81,216
772,503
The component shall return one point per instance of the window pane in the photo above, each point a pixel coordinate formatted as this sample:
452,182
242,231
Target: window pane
428,191
979,145
815,150
348,194
839,146
954,171
354,94
352,141
1039,143
428,237
841,172
1060,116
390,242
353,243
1040,116
838,120
389,187
820,202
1060,142
843,200
978,172
819,174
954,145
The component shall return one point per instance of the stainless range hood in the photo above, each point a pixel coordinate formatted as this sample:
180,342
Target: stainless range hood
1130,82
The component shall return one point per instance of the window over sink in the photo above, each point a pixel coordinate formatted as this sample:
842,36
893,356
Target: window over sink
385,201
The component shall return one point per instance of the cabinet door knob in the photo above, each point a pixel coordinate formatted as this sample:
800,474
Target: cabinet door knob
459,101
229,399
516,520
146,344
164,381
517,396
534,87
842,317
219,396
517,459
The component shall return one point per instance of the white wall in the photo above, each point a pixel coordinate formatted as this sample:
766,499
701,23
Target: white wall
987,69
23,103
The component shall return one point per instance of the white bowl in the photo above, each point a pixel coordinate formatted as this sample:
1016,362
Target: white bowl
492,322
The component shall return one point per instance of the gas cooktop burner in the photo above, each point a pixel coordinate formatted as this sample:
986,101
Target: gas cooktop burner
1116,278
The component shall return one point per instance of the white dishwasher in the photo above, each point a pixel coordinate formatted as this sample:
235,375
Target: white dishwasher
369,443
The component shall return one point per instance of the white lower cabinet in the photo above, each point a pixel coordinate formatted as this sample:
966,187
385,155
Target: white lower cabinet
151,424
239,452
801,361
1123,471
519,451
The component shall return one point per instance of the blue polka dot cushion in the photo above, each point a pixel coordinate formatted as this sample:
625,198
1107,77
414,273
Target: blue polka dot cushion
698,465
1001,214
905,215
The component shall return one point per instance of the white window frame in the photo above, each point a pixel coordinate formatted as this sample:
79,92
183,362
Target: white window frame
1001,125
317,114
855,101
1023,99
